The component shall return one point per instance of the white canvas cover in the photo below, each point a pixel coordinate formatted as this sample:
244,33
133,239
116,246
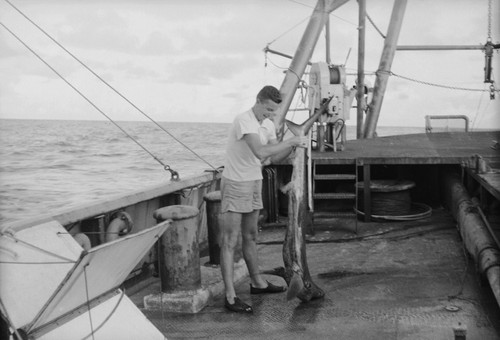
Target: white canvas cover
33,262
116,318
35,292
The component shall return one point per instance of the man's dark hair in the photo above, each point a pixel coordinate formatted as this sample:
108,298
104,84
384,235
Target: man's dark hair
271,93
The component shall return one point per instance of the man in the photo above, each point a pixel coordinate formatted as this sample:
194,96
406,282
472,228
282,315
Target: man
252,142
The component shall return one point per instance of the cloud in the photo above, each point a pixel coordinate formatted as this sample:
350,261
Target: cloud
158,44
164,54
206,70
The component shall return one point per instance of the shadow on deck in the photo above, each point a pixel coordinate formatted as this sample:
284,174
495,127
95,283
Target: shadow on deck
393,280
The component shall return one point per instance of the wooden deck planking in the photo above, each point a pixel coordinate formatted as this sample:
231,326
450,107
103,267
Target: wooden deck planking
434,148
490,181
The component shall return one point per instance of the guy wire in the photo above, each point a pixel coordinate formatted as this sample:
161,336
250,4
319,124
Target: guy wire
110,86
82,95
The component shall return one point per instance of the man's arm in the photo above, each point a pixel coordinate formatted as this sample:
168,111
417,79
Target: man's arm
274,149
281,155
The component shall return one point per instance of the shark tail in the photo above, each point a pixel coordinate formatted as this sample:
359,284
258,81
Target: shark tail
296,285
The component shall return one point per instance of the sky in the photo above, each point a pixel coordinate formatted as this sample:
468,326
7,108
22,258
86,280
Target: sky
203,60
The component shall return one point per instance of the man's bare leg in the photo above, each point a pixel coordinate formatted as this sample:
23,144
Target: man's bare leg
249,229
230,229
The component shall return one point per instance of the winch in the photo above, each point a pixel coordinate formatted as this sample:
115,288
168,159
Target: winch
325,82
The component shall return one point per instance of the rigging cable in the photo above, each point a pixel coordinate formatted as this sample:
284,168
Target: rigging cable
107,317
88,300
433,84
37,248
114,90
175,175
375,26
475,119
284,33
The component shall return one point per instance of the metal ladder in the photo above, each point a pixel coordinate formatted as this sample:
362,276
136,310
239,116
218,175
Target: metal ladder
334,188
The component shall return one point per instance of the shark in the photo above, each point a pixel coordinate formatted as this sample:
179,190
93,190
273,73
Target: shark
295,271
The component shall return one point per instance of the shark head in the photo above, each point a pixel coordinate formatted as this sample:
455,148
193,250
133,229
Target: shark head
303,129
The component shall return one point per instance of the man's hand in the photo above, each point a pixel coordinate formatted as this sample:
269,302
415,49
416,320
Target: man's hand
299,141
266,161
303,141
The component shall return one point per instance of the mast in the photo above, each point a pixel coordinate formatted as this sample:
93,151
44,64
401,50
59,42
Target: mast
301,58
360,94
327,41
384,68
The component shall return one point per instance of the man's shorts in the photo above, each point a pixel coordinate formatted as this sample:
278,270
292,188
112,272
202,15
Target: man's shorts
241,197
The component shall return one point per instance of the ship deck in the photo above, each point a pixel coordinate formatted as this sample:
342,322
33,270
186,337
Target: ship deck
390,280
424,148
408,279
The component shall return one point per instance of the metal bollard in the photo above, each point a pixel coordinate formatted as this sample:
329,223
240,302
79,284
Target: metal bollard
213,206
214,220
179,249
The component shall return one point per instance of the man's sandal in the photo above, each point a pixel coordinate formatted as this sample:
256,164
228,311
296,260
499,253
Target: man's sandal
270,289
238,306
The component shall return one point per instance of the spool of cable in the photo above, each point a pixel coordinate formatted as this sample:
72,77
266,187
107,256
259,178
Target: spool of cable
337,74
388,197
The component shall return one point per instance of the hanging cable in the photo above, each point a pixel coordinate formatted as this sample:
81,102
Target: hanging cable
41,250
108,317
88,299
286,32
437,85
174,174
477,110
114,90
375,26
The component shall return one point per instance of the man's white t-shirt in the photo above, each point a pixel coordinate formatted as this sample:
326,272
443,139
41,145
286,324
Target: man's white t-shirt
241,164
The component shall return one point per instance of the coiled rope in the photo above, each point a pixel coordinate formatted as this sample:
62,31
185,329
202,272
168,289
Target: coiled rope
389,203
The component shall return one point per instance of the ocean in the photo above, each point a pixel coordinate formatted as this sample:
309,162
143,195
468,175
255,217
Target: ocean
49,165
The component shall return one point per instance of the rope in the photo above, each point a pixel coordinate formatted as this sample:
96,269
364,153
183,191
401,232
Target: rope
289,30
437,85
65,259
167,167
295,73
389,203
477,117
107,317
274,64
88,299
306,18
375,26
113,89
369,237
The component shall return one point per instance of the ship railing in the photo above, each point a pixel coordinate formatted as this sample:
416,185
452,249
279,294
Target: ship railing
429,118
